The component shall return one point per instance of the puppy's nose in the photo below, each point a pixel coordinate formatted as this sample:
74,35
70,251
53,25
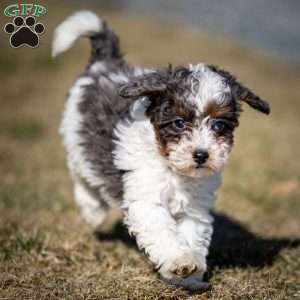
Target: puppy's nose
200,156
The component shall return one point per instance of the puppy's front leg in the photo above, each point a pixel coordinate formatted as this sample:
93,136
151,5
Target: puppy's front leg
157,233
197,231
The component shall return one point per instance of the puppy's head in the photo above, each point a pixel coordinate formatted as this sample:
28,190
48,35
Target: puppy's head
194,112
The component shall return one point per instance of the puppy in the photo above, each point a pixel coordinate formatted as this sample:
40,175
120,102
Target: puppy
152,142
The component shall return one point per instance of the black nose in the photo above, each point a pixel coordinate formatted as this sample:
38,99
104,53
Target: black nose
200,156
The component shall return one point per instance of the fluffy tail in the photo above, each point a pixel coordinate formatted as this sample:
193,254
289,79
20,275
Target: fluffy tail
105,44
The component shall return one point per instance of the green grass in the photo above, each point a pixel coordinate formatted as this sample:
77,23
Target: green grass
47,252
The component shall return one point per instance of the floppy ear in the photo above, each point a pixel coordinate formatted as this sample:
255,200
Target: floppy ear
243,93
145,85
246,95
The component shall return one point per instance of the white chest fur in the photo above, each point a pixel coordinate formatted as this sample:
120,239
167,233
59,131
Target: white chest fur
151,179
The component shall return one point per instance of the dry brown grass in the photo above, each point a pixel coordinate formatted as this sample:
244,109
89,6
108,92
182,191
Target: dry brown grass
46,252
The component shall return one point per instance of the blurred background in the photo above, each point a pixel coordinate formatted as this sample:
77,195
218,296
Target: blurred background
46,251
271,25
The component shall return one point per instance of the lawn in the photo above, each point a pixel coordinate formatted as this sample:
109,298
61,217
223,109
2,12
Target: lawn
46,250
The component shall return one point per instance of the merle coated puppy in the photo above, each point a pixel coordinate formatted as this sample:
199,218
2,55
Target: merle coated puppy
152,142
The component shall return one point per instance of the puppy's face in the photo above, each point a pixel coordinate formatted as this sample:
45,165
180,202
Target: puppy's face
194,112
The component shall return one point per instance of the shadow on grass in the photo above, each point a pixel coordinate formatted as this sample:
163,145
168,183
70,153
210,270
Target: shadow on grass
118,233
233,245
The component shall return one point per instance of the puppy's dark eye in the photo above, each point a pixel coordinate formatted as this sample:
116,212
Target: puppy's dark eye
179,124
219,127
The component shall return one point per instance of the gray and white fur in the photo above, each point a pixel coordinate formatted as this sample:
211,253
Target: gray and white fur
152,142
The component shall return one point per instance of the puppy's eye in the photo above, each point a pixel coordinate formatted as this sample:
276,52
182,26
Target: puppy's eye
219,127
179,124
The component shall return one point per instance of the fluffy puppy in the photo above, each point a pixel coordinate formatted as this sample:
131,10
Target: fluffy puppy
152,142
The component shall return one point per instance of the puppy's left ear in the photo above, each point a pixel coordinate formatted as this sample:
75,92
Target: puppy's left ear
246,95
145,85
243,93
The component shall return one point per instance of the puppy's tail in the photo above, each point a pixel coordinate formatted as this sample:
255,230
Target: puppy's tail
105,44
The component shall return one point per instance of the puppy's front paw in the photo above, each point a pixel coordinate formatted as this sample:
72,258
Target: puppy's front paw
186,271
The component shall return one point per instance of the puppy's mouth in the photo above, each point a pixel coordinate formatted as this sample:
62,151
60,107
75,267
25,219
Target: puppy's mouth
207,169
197,171
205,165
200,167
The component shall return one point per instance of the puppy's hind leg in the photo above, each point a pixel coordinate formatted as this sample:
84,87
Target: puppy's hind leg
93,208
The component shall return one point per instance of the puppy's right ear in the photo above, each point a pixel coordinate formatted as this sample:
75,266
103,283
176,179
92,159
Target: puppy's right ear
145,85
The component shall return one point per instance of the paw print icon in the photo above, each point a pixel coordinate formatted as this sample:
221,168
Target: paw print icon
24,32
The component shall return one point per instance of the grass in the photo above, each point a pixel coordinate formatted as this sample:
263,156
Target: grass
47,252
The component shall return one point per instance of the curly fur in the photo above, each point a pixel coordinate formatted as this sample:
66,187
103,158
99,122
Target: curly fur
124,148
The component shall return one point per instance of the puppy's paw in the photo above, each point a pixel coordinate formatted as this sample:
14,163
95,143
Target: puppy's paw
186,270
